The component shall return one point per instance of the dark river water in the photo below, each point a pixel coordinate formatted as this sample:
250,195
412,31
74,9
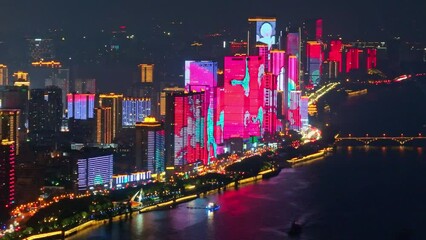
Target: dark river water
359,192
356,193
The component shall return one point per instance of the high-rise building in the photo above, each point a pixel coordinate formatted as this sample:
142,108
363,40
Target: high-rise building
115,102
240,111
163,98
201,76
40,49
352,56
304,116
20,79
335,53
371,58
94,168
146,72
135,110
12,97
81,105
60,78
103,125
261,30
9,126
314,62
84,85
4,75
185,128
294,117
7,174
45,115
150,145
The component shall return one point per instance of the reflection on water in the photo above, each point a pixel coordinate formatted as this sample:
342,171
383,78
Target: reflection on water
356,193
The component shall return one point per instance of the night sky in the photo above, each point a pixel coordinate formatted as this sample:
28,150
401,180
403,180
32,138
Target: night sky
361,19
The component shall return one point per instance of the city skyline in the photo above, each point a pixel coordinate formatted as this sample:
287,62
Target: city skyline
370,20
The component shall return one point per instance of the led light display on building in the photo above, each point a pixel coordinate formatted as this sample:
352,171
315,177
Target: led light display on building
81,105
335,53
123,179
294,117
7,173
278,68
200,74
269,103
352,59
371,58
95,171
292,81
293,44
242,104
314,61
189,128
265,31
135,110
304,117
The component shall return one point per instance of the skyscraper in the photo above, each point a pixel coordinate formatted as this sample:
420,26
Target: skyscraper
261,30
135,110
146,72
81,106
115,102
12,97
45,115
149,145
40,49
7,174
103,125
4,75
60,78
185,123
9,125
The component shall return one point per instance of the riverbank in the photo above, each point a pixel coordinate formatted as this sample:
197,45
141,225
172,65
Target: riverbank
160,206
320,154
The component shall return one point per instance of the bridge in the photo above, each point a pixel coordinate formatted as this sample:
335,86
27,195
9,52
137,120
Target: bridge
369,139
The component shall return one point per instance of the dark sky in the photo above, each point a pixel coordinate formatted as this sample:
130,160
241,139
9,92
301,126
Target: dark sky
363,19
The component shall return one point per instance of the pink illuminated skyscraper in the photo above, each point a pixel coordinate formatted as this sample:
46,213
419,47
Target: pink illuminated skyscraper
241,111
335,53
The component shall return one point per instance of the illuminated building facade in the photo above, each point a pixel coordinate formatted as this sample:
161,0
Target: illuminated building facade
9,126
163,98
335,53
352,59
262,30
150,145
294,117
94,170
104,124
371,58
135,110
115,102
185,128
304,116
293,43
270,103
4,75
146,72
121,180
278,68
314,62
81,106
201,76
45,115
12,97
7,174
240,111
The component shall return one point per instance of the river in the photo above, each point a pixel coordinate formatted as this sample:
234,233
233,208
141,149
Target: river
365,192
